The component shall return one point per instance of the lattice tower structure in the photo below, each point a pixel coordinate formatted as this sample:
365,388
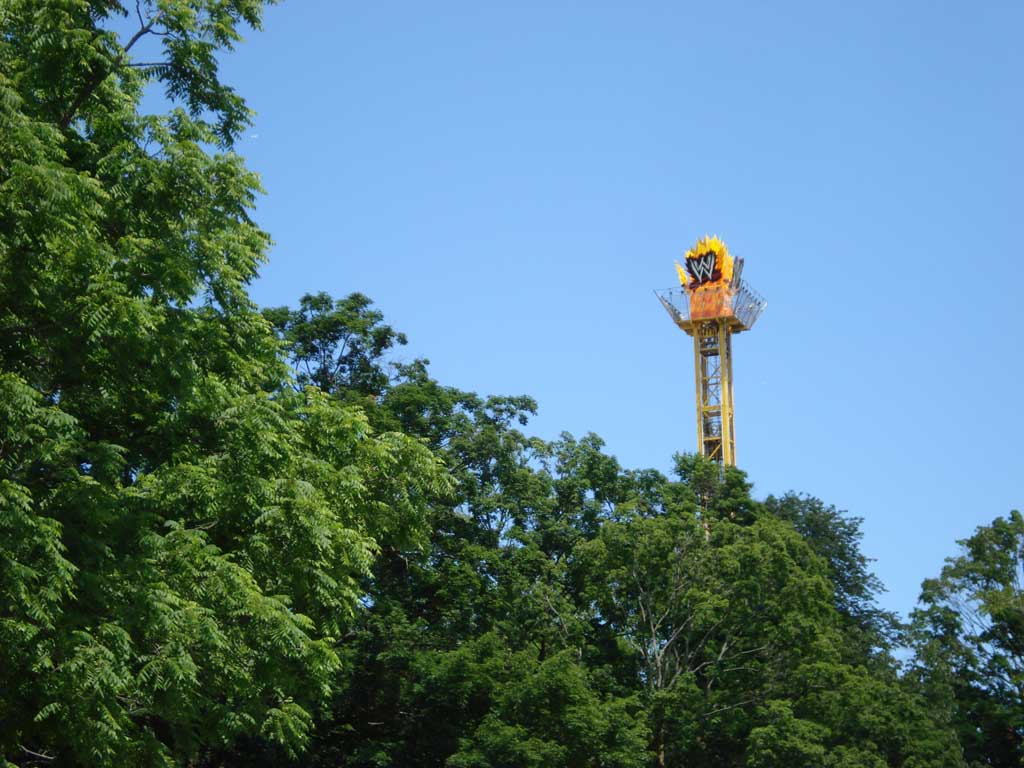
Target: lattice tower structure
711,305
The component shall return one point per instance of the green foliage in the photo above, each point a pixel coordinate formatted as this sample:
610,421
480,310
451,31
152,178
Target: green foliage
570,612
336,345
968,633
184,535
836,538
788,740
35,575
547,713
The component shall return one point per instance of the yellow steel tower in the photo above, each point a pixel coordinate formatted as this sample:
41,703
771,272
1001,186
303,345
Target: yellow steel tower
711,305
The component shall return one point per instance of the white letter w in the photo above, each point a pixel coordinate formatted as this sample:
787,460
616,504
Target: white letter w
702,267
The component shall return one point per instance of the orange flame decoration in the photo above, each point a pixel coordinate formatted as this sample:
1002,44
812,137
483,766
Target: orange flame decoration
723,269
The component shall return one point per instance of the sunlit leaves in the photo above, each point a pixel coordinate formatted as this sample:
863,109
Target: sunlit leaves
185,535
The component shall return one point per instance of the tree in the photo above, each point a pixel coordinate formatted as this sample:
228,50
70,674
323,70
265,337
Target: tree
183,534
732,616
547,712
969,637
836,537
715,610
336,345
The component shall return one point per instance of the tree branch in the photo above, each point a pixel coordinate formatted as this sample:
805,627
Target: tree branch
36,754
727,707
99,73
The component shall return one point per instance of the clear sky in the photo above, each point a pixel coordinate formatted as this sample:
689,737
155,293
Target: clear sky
509,183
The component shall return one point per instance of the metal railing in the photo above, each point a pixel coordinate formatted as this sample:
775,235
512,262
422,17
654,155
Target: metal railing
747,304
676,302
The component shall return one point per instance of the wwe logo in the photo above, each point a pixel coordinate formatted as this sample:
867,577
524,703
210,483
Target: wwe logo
702,268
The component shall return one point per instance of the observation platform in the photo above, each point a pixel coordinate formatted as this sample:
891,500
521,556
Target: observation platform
739,304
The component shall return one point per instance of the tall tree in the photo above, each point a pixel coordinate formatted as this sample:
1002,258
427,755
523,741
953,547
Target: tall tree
731,615
713,609
969,636
182,533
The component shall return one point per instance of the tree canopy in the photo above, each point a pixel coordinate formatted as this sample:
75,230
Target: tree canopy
969,637
185,533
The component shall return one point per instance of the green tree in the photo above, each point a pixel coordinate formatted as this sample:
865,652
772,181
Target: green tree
742,652
547,712
336,345
716,611
836,537
183,534
465,648
969,637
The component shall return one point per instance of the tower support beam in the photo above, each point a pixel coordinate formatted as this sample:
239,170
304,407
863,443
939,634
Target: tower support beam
712,350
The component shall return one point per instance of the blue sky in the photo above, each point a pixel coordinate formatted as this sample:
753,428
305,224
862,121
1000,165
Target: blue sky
509,183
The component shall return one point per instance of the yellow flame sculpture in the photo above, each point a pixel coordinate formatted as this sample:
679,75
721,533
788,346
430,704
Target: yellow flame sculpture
723,262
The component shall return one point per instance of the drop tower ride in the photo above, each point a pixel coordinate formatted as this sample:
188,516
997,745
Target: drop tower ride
712,304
